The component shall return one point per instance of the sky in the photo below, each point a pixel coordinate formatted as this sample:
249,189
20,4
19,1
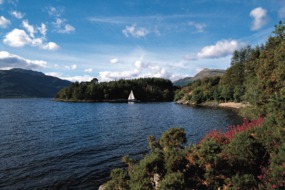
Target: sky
114,39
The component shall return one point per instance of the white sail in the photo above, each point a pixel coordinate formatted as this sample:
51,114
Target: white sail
131,96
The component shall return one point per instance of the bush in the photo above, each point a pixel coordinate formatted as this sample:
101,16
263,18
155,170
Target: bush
173,181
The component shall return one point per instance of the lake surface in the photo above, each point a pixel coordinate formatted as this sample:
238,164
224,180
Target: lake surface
56,145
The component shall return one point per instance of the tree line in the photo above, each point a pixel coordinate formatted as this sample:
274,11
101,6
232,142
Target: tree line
144,89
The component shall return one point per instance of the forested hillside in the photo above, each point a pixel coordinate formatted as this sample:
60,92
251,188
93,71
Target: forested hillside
144,89
21,83
247,156
256,76
205,73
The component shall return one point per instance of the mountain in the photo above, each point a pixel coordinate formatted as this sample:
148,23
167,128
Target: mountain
28,83
202,74
183,82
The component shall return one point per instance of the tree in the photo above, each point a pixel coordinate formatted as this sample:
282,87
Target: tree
280,30
94,80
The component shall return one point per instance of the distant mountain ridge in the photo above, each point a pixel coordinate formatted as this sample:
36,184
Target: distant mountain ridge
20,83
202,74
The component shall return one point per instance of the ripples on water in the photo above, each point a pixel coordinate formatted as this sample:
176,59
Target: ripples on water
55,145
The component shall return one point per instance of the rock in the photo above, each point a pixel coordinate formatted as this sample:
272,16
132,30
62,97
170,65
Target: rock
156,179
102,187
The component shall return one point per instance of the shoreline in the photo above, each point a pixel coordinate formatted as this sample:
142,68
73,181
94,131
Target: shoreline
234,105
231,105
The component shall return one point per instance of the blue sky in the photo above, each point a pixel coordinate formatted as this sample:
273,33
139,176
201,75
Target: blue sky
112,39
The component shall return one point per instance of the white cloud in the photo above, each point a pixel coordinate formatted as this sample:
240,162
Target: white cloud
43,29
17,14
19,38
133,31
220,49
4,22
56,12
139,64
140,69
53,74
259,18
78,78
29,28
109,75
200,27
8,60
50,46
71,67
1,2
88,70
61,26
114,61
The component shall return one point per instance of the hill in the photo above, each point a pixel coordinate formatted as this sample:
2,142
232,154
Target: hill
202,74
27,83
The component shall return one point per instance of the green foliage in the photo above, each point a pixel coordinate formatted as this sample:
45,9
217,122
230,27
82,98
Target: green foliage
175,161
172,138
197,96
246,181
179,95
119,180
145,89
173,181
200,91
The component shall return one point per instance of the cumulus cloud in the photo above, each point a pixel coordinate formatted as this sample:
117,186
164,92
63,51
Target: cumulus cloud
19,38
50,46
259,16
220,49
200,27
109,75
8,60
140,69
133,31
17,14
114,61
88,70
4,22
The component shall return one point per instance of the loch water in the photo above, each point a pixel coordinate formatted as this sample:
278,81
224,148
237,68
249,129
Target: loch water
58,145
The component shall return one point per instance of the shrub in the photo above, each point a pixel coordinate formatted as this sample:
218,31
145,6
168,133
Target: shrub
119,180
173,181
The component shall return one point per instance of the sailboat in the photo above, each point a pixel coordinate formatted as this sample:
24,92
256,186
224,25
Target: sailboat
131,97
